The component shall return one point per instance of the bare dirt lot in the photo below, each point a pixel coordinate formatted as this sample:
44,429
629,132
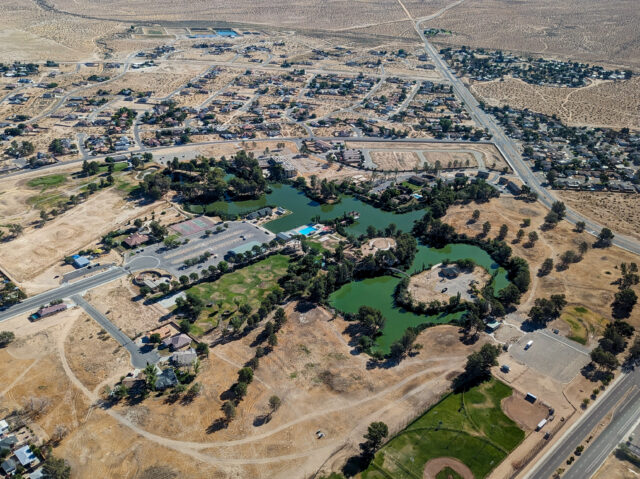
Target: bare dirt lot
404,156
526,414
618,211
37,249
116,301
614,468
601,104
431,285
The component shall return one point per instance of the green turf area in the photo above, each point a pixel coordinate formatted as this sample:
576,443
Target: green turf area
46,182
470,427
582,322
120,166
448,473
52,199
247,285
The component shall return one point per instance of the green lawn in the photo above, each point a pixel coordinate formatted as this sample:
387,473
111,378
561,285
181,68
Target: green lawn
119,166
46,182
470,427
247,285
582,321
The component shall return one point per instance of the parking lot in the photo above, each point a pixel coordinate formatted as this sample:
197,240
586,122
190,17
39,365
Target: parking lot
157,256
551,354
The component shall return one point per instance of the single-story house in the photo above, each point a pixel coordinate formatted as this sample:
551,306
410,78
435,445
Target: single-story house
492,326
8,442
450,272
261,213
4,427
166,379
136,239
417,180
37,474
80,261
9,467
184,358
51,310
26,456
179,341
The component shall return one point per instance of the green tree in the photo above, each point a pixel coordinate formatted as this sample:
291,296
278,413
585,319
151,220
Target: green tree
605,237
376,433
55,468
623,303
6,338
229,410
245,375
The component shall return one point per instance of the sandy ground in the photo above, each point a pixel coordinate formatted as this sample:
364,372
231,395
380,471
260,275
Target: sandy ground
37,249
618,211
429,285
434,466
589,31
527,415
116,300
601,104
442,152
614,468
377,244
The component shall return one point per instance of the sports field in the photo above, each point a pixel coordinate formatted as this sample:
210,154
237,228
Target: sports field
469,426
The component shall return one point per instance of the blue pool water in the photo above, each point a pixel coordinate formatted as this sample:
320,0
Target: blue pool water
226,33
307,231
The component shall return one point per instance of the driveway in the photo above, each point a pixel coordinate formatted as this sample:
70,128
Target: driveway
138,358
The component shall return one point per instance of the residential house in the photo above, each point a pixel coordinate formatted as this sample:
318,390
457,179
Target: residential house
50,310
26,457
177,342
136,239
184,358
166,379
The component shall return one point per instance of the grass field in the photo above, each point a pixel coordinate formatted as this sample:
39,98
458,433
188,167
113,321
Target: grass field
470,427
46,182
247,285
582,322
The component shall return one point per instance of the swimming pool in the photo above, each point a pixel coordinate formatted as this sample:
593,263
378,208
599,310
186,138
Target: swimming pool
307,230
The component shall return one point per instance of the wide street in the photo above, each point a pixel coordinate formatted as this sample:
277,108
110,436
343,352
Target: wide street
64,291
626,413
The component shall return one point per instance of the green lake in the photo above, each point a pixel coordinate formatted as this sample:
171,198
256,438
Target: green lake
378,292
303,209
374,292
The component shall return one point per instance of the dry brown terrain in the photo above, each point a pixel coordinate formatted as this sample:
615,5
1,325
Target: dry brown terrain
116,301
66,360
38,249
434,466
601,104
618,211
585,30
614,468
588,282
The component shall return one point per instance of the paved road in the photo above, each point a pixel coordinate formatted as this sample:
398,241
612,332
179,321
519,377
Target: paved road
624,416
64,291
510,149
138,358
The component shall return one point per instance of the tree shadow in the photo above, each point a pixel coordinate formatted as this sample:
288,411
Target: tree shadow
529,326
261,420
217,425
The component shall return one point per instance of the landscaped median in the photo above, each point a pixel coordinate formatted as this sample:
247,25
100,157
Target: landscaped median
468,426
